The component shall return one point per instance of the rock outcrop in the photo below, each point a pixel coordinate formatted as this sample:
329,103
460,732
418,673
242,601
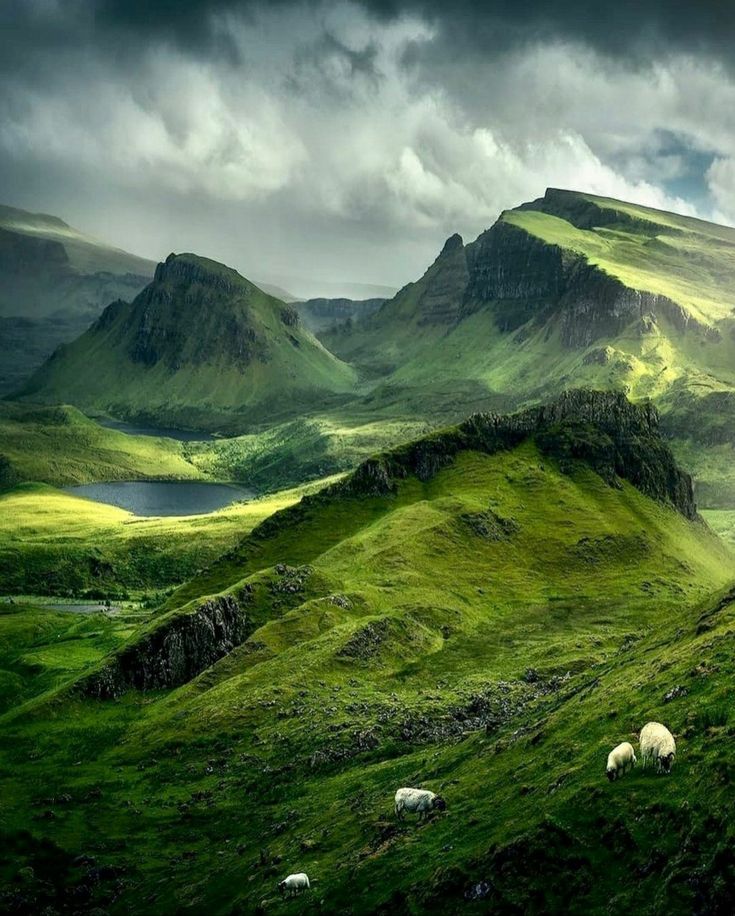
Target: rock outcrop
603,429
172,652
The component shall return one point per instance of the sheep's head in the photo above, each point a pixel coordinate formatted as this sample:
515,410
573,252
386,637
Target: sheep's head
667,761
610,773
439,804
281,887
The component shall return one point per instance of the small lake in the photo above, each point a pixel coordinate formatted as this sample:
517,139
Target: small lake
163,497
183,435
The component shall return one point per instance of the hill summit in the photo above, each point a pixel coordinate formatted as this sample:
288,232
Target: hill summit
198,345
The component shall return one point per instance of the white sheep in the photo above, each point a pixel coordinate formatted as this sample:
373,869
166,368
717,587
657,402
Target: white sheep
657,743
418,801
294,884
620,760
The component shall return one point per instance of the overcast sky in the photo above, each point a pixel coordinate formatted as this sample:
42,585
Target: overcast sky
317,141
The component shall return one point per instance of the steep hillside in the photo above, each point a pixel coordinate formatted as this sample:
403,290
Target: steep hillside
54,281
200,347
483,612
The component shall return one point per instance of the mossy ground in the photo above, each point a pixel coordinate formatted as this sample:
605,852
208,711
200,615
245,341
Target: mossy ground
396,650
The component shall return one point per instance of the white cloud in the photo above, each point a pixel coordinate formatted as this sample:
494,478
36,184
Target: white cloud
324,121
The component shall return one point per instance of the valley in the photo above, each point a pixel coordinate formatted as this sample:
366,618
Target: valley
262,563
483,611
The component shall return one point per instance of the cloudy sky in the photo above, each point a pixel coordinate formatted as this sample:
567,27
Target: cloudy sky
327,142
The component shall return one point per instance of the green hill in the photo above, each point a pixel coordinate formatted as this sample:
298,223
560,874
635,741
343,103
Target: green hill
484,612
200,347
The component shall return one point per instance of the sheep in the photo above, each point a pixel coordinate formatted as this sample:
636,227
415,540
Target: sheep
293,884
418,801
657,743
620,760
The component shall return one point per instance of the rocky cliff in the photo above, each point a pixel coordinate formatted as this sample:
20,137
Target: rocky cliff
602,429
174,651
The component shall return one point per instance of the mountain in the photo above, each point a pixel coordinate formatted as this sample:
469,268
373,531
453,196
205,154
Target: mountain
485,612
570,289
54,281
321,315
200,347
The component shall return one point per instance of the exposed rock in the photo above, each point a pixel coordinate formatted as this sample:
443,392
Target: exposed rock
446,280
366,642
603,429
490,525
675,693
175,650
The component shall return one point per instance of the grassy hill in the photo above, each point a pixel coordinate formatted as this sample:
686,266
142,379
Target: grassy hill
484,612
201,346
60,446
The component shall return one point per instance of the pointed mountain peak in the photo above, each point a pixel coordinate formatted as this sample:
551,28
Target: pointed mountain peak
452,244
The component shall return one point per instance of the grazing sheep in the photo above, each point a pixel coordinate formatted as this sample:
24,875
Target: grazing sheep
657,743
418,801
620,760
293,885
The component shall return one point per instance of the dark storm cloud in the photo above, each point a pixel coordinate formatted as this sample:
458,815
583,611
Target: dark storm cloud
346,138
624,28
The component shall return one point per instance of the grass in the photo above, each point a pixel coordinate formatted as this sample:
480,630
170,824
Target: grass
54,543
401,657
59,445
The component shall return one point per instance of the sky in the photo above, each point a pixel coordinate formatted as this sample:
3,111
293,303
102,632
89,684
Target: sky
324,144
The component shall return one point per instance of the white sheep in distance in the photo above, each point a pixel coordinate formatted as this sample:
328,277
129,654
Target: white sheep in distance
293,884
657,743
418,801
620,760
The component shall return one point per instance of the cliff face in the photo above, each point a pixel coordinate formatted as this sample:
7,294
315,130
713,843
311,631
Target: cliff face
446,281
507,263
173,653
602,429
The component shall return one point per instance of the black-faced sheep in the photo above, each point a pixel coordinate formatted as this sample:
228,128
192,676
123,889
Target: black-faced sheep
418,801
657,744
620,759
293,884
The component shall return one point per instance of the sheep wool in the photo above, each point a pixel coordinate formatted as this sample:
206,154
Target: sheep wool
417,801
620,759
294,884
657,745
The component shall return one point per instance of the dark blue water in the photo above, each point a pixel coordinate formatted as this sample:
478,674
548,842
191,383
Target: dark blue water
183,435
163,497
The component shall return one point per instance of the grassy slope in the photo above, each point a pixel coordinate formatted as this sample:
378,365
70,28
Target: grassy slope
59,445
58,544
445,372
296,742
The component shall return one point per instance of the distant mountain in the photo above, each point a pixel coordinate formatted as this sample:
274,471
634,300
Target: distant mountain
321,315
47,267
54,281
200,347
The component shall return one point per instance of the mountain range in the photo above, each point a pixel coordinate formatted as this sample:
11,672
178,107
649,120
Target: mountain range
567,290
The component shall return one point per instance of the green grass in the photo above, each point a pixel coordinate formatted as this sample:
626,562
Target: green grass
408,633
59,445
55,543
